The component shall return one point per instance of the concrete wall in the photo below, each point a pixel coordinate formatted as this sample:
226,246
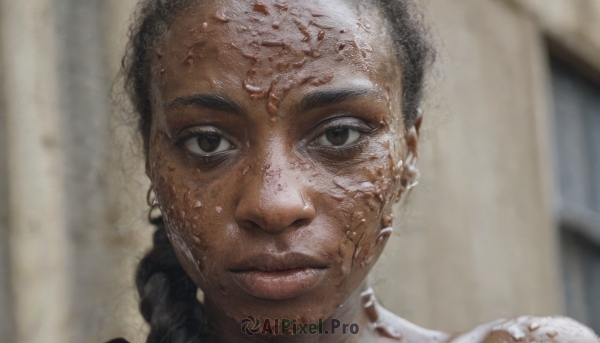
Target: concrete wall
478,241
6,309
475,242
572,26
37,239
70,260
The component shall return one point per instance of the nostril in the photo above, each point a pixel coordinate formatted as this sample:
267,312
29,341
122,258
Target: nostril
261,207
250,225
300,223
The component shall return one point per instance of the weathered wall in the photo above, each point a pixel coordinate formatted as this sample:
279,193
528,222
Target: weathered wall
37,242
127,185
70,262
478,240
572,24
475,242
6,309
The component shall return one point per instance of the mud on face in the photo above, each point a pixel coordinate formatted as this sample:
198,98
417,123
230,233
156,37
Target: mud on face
277,131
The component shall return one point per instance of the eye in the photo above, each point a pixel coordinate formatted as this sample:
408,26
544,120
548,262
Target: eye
207,144
338,137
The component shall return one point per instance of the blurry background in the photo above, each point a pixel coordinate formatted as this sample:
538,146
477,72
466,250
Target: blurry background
505,221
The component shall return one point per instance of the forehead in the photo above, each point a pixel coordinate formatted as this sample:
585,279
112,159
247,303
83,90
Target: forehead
265,50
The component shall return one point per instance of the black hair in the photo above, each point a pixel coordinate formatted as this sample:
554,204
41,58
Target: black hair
168,295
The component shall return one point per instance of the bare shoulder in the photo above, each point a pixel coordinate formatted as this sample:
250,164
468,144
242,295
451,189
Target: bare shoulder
530,329
387,327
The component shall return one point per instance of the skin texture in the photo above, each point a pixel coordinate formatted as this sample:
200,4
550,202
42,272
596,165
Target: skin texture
277,205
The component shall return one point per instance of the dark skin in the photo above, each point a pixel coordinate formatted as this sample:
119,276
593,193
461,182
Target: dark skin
277,149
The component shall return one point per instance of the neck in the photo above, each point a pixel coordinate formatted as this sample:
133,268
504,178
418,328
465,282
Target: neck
224,329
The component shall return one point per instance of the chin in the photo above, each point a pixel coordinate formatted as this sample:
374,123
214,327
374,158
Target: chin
304,309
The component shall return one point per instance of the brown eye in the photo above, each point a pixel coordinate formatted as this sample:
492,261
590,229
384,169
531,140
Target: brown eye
207,144
338,137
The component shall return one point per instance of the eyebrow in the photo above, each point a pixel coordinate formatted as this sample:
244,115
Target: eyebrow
209,101
318,99
324,98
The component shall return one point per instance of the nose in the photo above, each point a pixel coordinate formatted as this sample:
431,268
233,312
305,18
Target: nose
273,198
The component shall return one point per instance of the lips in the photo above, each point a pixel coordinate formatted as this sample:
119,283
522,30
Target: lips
279,277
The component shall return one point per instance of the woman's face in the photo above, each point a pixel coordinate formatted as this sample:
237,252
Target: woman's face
275,151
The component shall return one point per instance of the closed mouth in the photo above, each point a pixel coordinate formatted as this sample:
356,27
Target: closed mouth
279,284
279,277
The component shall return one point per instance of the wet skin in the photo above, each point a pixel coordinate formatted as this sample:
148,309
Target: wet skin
276,151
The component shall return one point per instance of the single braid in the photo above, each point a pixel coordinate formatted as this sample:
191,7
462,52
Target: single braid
168,295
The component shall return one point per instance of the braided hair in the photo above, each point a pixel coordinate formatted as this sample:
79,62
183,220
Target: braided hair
168,295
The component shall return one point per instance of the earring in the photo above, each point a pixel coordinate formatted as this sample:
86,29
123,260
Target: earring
410,173
413,176
152,201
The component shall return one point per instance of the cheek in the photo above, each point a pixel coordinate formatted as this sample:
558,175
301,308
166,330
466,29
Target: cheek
358,201
198,229
193,211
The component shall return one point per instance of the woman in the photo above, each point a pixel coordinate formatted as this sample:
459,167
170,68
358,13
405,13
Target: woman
278,135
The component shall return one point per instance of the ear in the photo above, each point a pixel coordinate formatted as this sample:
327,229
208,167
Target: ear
412,135
410,173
